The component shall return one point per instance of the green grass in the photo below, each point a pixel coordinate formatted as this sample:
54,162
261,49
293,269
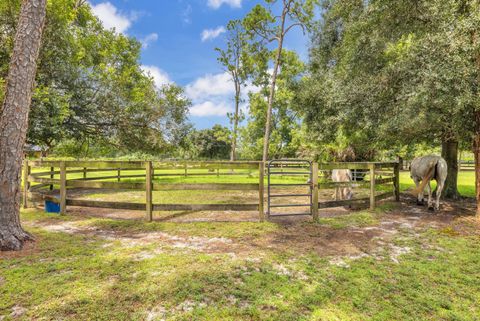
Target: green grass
465,182
88,277
194,176
359,218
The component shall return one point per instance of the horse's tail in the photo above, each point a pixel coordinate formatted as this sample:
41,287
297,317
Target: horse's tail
426,179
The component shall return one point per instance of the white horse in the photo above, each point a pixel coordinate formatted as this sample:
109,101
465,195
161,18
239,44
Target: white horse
342,176
424,169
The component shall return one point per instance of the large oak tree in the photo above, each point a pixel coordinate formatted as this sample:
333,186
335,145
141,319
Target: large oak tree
397,73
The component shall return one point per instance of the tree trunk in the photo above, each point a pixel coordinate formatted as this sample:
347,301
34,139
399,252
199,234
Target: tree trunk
271,98
450,154
476,154
235,122
476,139
268,123
14,120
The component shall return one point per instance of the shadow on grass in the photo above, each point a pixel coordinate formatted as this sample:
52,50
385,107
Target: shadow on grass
79,277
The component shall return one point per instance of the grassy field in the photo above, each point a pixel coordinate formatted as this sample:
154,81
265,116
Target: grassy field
345,268
359,266
466,182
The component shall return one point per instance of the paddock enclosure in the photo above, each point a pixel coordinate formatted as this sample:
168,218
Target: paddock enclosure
275,188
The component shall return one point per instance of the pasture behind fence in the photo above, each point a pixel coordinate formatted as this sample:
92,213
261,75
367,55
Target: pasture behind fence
463,165
56,180
375,174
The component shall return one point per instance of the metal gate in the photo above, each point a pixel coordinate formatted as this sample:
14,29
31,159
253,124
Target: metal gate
288,168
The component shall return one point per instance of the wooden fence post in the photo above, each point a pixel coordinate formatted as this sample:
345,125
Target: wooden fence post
261,172
372,185
84,172
52,176
63,188
26,184
396,182
118,175
315,191
148,190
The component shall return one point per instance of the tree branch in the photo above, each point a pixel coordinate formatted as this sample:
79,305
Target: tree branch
294,25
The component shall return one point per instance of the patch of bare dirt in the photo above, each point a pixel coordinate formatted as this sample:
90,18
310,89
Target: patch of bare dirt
29,248
17,312
295,234
132,239
458,215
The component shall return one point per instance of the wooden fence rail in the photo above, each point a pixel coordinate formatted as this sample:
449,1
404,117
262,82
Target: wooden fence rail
64,175
463,165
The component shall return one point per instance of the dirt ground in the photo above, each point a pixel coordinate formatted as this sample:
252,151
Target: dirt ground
295,233
220,197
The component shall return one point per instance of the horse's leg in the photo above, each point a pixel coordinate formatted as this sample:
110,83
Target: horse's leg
439,192
349,196
429,190
420,194
349,193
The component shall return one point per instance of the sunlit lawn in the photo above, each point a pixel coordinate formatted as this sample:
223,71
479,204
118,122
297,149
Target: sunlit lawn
97,275
466,182
75,276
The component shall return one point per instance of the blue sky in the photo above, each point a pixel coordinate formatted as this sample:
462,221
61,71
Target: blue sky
179,37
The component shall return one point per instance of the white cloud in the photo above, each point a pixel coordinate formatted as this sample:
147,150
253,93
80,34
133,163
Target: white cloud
209,34
149,39
159,76
111,17
209,108
212,95
187,15
210,85
215,4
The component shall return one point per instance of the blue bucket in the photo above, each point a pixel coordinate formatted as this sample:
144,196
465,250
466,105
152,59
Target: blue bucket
52,207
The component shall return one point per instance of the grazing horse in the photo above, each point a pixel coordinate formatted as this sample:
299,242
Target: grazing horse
342,176
424,169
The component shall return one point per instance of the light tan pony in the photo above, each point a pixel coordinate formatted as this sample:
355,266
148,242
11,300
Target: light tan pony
342,176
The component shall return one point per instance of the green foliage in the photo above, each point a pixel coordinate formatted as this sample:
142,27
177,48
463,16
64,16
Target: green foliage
234,58
90,86
393,74
284,138
210,143
237,63
264,26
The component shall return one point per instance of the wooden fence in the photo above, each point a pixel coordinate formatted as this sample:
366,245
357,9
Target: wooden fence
56,177
463,165
384,174
466,165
